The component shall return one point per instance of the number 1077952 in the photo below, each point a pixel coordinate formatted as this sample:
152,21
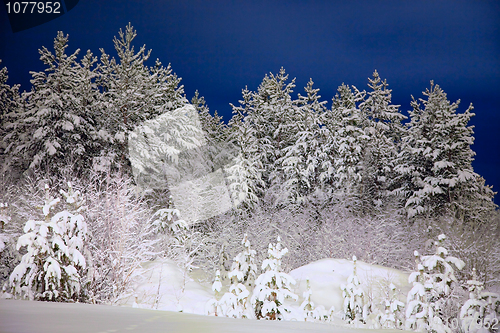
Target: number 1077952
33,7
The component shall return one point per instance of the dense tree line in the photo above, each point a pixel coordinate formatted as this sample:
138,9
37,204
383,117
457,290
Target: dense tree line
357,177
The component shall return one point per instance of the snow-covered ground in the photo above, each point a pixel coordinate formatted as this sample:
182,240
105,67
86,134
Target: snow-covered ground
42,317
166,288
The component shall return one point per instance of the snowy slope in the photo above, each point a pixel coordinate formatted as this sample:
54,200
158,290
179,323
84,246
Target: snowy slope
326,276
164,287
49,317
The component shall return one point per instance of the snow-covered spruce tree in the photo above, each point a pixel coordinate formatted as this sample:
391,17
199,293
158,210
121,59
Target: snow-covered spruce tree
244,173
132,93
244,267
235,303
88,104
307,305
59,130
272,287
213,305
479,311
167,219
166,93
50,270
391,318
302,160
353,297
473,309
436,162
270,112
384,129
430,296
4,220
218,151
416,306
10,105
350,141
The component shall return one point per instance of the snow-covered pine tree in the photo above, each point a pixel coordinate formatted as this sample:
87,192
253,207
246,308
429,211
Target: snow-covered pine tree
272,287
429,298
479,312
384,129
349,142
133,93
126,86
168,219
235,303
10,104
50,270
307,305
436,161
244,266
270,112
214,128
301,160
218,152
353,297
166,91
88,98
59,130
244,173
391,318
473,309
416,306
213,306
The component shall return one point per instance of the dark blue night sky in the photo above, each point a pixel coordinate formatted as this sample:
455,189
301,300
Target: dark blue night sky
219,47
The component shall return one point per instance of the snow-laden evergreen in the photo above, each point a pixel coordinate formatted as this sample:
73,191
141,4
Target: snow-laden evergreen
10,108
301,161
132,93
350,141
4,220
353,295
217,151
50,269
384,129
60,130
168,219
271,112
213,306
244,268
273,286
235,303
393,314
436,161
244,173
473,309
479,311
416,306
432,286
307,305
